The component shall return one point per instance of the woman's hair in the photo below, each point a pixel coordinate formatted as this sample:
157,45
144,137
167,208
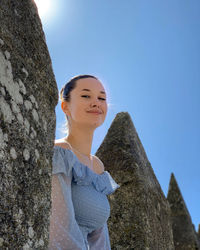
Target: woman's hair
70,85
66,90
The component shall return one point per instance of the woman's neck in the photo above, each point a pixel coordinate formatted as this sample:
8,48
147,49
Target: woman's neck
81,140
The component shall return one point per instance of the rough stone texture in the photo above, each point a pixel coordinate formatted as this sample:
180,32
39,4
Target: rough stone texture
140,213
198,233
28,95
184,234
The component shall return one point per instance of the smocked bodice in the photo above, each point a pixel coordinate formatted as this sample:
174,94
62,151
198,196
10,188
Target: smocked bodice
85,198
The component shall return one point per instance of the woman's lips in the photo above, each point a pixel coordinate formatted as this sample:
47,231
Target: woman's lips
95,112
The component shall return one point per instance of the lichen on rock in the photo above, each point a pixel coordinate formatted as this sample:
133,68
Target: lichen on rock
28,96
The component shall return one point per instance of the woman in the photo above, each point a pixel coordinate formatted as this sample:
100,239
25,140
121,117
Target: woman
80,185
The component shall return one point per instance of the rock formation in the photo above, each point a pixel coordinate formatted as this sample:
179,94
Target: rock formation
28,95
184,234
198,233
140,213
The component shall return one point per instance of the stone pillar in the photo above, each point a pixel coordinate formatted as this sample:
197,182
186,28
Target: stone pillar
28,95
184,234
140,214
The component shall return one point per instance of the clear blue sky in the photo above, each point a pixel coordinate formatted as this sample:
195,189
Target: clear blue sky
147,53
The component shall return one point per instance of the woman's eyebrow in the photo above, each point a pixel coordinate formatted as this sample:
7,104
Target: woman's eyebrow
102,92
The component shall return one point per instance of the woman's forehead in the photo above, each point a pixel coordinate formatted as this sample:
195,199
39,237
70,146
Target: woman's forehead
91,84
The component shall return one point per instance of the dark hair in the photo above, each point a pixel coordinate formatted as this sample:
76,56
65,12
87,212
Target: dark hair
70,85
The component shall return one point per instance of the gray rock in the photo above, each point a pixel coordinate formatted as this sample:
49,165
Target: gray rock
26,131
140,213
184,234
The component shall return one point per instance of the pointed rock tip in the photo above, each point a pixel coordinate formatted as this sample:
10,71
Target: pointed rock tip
121,127
173,185
172,178
123,115
122,118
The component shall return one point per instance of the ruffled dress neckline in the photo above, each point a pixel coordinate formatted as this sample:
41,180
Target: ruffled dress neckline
77,159
83,175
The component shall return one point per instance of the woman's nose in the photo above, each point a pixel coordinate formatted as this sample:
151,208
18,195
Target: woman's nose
95,103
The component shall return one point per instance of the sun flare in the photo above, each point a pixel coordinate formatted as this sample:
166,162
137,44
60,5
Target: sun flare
44,7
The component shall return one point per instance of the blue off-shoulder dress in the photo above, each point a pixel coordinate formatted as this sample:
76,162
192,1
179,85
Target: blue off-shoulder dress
80,207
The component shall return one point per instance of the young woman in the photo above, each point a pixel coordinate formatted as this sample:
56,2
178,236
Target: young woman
80,185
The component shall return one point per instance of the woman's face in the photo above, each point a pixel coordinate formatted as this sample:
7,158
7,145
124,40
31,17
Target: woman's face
87,105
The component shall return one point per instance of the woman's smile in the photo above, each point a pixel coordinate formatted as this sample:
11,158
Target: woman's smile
97,112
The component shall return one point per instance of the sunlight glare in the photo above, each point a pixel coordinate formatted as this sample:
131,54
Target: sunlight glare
44,8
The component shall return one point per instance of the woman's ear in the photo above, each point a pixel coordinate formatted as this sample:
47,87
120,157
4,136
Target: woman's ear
64,107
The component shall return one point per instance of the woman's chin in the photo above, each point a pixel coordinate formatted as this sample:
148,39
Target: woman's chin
94,124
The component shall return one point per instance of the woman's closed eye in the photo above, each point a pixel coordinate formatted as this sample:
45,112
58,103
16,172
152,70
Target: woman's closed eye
100,98
85,96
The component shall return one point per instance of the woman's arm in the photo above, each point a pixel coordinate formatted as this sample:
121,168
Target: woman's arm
64,231
99,239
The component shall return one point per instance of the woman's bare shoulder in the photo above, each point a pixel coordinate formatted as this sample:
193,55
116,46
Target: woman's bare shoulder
62,143
99,164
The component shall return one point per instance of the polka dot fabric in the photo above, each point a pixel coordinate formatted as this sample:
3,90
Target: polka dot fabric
80,208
